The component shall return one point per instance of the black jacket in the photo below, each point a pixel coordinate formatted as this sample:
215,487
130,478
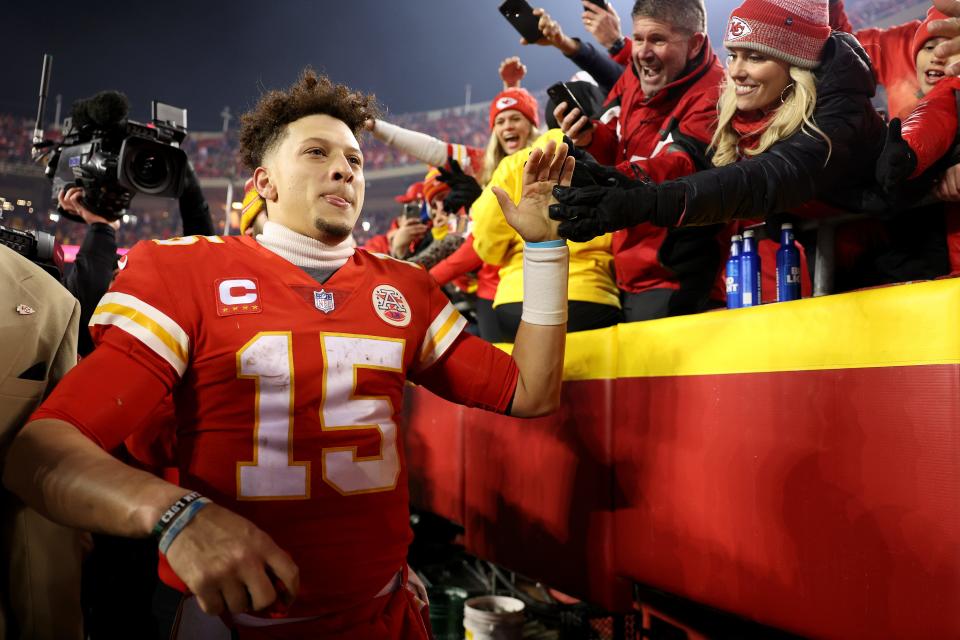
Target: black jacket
797,170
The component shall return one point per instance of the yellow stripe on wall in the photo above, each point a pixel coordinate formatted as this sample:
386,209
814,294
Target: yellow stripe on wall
907,325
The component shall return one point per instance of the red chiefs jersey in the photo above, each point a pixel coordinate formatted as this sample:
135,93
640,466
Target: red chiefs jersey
287,392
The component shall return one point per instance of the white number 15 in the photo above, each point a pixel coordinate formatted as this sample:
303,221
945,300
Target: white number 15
274,473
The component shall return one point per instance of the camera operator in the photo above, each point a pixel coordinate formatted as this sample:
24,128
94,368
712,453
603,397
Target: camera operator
39,560
96,261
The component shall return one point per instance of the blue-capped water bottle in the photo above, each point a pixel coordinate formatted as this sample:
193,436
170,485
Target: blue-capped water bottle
733,273
788,266
749,271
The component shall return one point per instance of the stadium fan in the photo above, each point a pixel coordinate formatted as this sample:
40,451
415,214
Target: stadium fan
514,122
930,131
919,149
445,230
381,242
796,124
593,298
307,510
894,59
950,29
660,118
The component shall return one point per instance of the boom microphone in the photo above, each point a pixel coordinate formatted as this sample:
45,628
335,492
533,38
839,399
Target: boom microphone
104,110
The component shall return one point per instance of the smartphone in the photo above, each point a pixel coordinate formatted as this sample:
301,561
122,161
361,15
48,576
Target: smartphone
415,211
603,4
560,92
520,15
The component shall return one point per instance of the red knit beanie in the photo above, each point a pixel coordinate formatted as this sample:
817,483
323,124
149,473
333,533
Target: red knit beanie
790,30
517,99
923,32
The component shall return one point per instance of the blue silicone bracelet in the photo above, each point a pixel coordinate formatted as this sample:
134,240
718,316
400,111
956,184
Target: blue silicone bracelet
546,244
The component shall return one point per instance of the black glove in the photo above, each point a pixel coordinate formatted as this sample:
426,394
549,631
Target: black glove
897,161
589,212
464,189
588,172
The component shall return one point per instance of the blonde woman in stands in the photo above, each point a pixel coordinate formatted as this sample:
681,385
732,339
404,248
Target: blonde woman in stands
514,124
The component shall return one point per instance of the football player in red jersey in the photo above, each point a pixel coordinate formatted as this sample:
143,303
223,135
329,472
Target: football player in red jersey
286,356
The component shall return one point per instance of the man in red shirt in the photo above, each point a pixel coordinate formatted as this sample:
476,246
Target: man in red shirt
658,120
286,356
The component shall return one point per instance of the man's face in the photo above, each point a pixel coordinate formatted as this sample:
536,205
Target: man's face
661,52
316,183
931,67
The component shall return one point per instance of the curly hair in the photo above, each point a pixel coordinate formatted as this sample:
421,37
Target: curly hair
265,125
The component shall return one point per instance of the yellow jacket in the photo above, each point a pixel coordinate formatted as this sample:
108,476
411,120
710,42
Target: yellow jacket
495,241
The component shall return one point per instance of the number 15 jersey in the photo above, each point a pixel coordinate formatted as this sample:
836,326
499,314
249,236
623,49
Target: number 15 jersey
287,392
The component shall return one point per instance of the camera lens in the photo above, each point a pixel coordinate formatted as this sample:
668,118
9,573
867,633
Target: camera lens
150,170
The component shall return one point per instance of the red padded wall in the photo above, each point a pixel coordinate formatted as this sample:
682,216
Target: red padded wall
826,503
820,502
433,440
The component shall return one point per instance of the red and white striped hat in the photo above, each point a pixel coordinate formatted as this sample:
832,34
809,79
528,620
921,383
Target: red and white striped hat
791,30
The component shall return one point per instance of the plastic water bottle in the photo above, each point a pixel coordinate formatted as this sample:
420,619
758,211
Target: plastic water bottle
733,273
788,266
749,271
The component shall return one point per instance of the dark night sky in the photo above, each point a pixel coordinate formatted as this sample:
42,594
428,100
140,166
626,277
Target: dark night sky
205,54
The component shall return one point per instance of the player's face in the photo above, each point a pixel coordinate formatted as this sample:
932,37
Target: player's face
317,173
759,80
661,53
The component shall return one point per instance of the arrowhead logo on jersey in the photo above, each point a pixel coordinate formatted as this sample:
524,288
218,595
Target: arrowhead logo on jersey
122,262
237,296
323,300
738,28
391,306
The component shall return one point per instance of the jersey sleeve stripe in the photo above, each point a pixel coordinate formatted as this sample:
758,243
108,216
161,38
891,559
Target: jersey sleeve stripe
459,153
146,323
440,335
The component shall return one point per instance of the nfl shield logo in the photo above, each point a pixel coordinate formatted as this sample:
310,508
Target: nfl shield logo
323,301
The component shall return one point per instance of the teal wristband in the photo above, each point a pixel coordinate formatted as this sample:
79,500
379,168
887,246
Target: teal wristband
181,521
546,244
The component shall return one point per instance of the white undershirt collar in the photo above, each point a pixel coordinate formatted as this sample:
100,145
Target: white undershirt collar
304,251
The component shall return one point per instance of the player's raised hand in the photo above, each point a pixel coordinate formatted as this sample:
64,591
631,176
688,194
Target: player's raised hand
227,562
543,171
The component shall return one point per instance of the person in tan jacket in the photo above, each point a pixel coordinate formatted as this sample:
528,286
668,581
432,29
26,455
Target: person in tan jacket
39,560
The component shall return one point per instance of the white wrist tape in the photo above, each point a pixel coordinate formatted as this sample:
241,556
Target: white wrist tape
545,273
